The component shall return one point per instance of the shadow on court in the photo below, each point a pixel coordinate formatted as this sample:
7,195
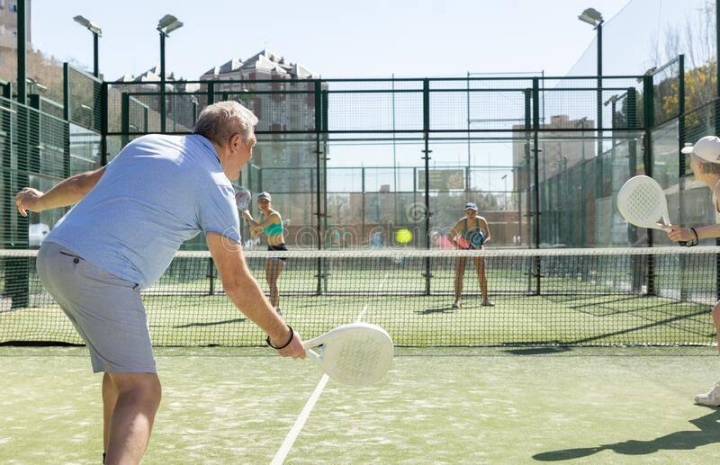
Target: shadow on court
430,311
539,350
708,433
212,323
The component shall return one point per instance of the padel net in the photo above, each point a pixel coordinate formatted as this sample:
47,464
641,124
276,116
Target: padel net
574,297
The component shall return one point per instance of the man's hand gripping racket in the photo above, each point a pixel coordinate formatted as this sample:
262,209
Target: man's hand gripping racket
358,354
641,201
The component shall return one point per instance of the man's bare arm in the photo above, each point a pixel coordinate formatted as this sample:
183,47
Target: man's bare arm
67,192
243,290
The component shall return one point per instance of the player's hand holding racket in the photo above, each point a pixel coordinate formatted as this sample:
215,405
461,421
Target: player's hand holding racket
292,346
683,236
641,201
358,354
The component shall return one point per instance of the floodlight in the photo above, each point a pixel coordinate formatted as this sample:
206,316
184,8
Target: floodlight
94,28
173,26
591,16
168,23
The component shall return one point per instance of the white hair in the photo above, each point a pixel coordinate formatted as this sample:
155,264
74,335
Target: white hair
221,120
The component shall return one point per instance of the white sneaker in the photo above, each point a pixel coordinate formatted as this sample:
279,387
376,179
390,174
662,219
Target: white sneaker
711,398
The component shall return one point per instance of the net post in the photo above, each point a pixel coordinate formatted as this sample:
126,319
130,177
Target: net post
536,172
426,159
648,121
319,165
681,166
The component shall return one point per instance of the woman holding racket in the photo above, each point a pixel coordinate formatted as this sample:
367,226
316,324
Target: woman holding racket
705,164
270,223
471,232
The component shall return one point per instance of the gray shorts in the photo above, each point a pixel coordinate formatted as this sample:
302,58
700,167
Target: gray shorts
107,311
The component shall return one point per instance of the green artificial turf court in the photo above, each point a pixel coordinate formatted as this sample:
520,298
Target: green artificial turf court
440,406
413,321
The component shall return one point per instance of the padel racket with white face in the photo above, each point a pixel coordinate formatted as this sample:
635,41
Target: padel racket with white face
243,199
641,201
358,354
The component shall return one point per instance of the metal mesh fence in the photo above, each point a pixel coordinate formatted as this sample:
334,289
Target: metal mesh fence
526,151
361,159
83,99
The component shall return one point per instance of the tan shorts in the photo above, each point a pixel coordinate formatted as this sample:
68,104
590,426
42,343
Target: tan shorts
107,311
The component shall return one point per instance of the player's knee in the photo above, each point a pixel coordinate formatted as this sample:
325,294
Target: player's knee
142,387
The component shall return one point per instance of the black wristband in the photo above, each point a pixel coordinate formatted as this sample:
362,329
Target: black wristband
693,242
292,335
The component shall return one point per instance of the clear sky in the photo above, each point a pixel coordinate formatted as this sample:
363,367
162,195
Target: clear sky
335,38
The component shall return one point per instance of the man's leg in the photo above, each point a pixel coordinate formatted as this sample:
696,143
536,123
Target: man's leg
130,424
109,396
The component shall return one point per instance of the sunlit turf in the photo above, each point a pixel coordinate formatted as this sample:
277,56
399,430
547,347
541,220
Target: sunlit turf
444,406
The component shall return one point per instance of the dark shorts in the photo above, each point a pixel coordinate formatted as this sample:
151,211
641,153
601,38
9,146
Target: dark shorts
278,248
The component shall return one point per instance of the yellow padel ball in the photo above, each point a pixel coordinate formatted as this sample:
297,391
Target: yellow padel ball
403,236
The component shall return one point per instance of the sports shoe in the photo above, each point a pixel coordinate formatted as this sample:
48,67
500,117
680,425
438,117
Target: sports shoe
456,304
711,398
487,303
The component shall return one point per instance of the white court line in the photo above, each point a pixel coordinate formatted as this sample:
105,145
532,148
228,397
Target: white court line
299,423
287,444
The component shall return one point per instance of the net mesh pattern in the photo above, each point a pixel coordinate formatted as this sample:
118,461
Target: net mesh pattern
634,296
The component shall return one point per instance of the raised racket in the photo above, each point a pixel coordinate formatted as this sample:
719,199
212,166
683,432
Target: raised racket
641,201
358,354
243,197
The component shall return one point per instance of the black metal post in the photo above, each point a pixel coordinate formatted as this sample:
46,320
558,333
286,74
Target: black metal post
598,157
536,176
21,52
96,54
163,120
426,159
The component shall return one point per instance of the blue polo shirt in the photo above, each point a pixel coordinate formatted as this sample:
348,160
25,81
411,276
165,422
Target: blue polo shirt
157,193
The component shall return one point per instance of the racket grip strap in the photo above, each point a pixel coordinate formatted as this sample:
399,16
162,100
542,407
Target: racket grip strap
292,336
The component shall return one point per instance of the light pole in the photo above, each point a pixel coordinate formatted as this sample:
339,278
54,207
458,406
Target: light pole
595,19
165,26
96,32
